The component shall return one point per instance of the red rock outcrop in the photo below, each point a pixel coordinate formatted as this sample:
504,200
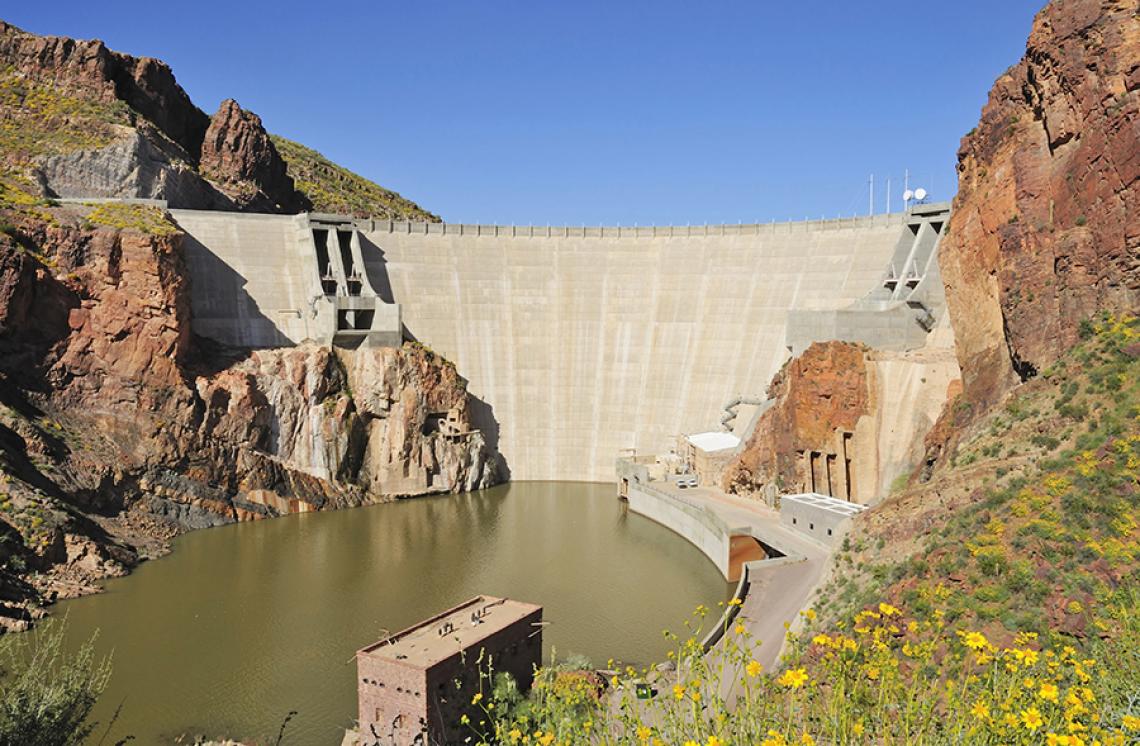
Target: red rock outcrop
817,398
1046,223
239,157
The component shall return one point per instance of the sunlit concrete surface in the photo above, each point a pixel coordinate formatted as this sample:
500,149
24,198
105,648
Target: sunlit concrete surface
586,341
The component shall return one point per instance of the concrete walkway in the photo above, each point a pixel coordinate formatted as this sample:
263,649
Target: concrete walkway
778,593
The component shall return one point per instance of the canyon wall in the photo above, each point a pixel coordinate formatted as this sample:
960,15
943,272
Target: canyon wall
1046,223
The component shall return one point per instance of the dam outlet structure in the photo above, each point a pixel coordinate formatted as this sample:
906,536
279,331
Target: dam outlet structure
578,343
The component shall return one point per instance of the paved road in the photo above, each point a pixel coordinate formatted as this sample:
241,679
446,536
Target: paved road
777,594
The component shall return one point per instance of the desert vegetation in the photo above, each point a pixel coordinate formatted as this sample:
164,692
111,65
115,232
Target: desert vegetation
48,690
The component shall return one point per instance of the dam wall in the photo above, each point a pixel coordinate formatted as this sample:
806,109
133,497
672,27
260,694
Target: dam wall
585,342
274,280
578,343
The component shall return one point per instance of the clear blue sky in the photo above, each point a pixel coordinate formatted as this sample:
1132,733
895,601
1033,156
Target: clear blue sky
593,111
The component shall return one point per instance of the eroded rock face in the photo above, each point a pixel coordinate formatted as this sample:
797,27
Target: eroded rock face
818,397
146,85
118,428
238,155
846,420
139,164
1046,223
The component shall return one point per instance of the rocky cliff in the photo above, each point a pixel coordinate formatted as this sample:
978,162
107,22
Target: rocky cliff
1046,223
80,120
239,157
118,428
846,420
817,399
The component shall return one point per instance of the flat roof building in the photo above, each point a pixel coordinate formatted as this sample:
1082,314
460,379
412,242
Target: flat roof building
821,517
415,686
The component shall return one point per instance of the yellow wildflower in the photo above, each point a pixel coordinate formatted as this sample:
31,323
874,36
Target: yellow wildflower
478,696
793,678
1048,692
1031,719
975,640
888,610
753,669
1131,722
515,734
643,733
738,629
858,728
980,710
714,741
678,692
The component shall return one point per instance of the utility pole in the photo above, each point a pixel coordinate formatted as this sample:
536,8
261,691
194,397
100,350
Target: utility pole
871,208
888,195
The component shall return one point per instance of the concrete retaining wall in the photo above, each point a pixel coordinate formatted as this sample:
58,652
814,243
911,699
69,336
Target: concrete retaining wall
697,525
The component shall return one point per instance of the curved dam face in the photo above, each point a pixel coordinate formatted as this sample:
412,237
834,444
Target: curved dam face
579,342
585,342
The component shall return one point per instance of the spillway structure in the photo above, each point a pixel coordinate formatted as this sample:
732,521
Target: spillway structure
579,343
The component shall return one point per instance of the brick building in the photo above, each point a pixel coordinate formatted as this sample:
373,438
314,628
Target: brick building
415,686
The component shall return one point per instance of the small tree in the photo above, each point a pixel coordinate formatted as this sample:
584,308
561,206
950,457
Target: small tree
47,691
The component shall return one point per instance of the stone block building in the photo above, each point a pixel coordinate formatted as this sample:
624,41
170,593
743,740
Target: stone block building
415,686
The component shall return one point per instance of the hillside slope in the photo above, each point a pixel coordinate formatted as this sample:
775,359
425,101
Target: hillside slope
333,188
80,120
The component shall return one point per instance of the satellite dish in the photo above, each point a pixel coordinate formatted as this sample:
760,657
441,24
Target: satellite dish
908,195
920,194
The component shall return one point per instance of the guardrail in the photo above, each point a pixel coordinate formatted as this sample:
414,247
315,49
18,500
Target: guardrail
702,513
628,231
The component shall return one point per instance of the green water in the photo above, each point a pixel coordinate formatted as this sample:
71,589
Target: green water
241,624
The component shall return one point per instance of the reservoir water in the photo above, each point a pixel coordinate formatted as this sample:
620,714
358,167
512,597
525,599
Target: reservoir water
243,623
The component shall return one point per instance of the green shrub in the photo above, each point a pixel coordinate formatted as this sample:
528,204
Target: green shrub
46,691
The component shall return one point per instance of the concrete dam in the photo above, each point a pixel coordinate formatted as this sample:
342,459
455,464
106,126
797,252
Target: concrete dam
580,342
